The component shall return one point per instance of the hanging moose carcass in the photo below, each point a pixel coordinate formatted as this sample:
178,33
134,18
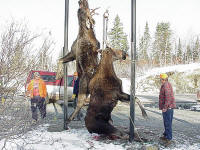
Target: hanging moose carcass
84,51
105,91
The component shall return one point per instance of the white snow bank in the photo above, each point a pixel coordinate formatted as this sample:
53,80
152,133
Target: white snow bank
177,68
142,82
126,85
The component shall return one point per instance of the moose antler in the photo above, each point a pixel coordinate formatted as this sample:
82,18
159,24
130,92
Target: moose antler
92,12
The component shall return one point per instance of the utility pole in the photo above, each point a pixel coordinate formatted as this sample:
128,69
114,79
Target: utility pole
133,60
65,51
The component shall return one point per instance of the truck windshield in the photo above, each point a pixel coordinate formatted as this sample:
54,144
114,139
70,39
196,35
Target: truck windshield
52,78
49,78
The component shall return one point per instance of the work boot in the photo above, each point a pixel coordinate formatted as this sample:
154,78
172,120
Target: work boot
163,138
167,143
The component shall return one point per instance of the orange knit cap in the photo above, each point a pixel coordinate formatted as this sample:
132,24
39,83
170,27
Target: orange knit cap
75,73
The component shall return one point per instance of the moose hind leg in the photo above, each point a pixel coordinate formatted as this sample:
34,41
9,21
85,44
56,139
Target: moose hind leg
123,97
81,101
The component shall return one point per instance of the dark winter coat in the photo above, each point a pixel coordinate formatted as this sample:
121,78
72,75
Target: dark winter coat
76,87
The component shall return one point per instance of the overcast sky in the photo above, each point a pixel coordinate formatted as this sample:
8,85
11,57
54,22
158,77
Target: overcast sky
48,15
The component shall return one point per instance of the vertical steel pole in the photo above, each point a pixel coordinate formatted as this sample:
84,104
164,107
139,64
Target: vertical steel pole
133,59
65,51
103,43
106,31
105,28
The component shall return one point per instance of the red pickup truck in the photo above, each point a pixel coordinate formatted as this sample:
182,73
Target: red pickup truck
55,88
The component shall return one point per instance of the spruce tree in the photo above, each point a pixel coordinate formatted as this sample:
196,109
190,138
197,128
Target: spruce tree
117,37
179,52
144,44
162,46
188,54
196,50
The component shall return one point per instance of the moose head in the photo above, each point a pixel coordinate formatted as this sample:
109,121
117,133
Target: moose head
84,15
112,54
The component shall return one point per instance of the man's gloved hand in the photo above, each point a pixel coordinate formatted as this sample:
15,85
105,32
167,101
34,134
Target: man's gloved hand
73,96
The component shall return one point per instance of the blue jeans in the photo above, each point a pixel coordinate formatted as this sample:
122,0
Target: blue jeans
38,102
167,119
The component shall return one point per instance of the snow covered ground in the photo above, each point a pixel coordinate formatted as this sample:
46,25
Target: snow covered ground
73,139
79,139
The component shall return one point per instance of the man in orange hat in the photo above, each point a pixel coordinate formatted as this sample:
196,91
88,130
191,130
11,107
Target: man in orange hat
167,105
37,91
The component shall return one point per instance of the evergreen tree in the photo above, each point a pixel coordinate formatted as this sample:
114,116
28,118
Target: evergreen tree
188,54
162,46
174,55
196,50
141,47
179,52
144,44
184,57
117,37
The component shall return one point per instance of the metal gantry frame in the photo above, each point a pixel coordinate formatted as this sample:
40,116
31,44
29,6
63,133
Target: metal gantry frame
65,51
105,28
133,61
